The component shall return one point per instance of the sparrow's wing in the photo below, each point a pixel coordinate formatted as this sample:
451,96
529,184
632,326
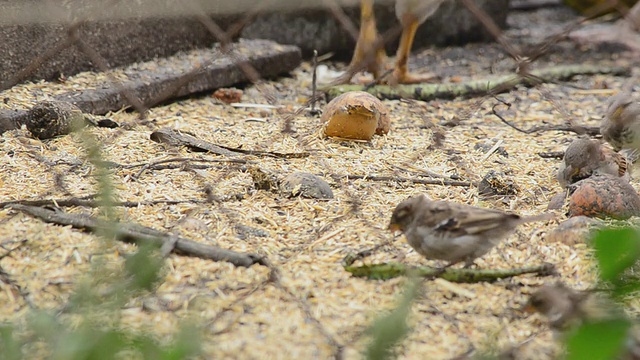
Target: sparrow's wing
619,160
462,219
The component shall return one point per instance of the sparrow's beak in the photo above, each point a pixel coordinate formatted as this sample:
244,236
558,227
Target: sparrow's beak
575,172
394,227
528,308
618,112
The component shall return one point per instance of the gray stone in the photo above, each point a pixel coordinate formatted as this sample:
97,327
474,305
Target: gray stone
306,185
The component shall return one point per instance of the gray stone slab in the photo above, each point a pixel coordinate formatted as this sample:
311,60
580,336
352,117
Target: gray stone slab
156,81
142,30
120,42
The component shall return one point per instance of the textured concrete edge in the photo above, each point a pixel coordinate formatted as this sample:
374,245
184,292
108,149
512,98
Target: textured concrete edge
267,58
124,41
276,60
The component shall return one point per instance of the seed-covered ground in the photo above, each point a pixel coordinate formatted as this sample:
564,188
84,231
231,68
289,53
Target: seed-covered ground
315,306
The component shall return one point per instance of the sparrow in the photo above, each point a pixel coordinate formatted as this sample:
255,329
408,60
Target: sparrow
585,157
443,230
620,126
566,308
562,305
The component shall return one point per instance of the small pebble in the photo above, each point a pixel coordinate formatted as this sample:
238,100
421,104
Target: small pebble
557,201
573,231
244,232
306,185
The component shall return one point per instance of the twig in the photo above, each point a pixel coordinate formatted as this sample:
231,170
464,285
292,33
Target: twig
593,131
90,202
552,155
183,162
175,138
476,88
412,180
386,271
232,304
491,151
352,258
9,251
135,233
422,172
314,82
6,278
528,5
180,159
306,310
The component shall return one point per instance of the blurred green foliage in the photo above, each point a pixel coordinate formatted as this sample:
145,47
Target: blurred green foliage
97,333
89,325
389,330
617,250
597,340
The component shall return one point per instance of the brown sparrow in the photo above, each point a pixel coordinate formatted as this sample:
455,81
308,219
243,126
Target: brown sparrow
621,124
442,230
585,157
567,308
562,305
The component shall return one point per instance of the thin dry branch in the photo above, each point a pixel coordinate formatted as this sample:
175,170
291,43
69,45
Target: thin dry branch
386,271
477,88
135,233
91,202
593,131
175,138
15,287
552,155
444,182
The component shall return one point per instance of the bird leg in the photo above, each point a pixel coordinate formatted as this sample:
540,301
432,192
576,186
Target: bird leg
442,269
401,74
369,53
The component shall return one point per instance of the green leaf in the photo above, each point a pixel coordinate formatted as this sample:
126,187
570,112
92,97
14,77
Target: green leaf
616,250
89,343
601,340
9,345
144,266
186,344
387,331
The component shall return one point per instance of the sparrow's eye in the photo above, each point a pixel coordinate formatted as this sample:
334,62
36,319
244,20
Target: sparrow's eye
402,214
537,302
